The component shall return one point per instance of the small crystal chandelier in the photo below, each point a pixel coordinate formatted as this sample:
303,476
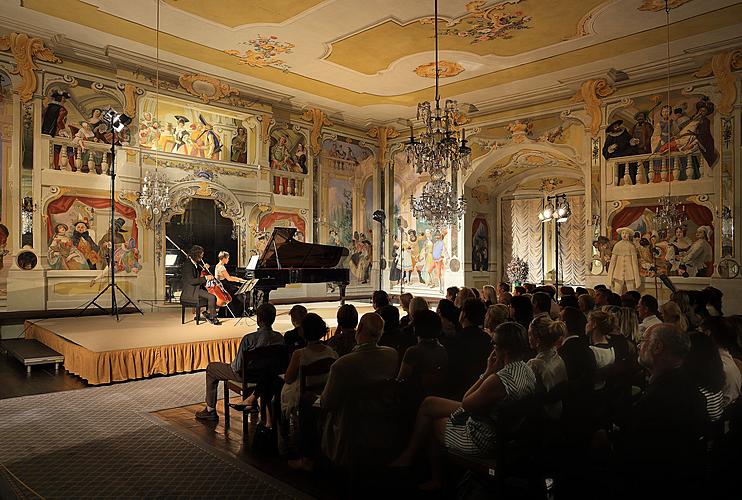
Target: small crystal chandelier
438,204
668,216
155,194
438,150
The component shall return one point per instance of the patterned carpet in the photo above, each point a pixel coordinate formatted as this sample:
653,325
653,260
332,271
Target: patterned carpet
102,442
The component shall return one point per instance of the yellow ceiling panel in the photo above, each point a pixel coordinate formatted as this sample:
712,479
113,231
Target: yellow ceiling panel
235,13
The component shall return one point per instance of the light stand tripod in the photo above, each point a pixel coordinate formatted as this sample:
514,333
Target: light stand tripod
116,123
380,216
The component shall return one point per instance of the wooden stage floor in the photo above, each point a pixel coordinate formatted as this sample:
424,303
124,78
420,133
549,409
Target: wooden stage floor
101,350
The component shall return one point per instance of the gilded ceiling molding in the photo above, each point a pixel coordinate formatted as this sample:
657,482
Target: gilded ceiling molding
592,93
24,49
446,69
658,5
207,88
382,136
721,67
319,119
131,93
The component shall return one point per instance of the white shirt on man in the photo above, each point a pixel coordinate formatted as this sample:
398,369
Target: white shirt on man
650,320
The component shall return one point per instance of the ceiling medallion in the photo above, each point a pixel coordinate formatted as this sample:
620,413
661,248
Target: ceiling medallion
440,151
446,69
206,88
264,52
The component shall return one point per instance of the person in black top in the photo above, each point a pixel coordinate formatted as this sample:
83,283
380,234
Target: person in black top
469,349
294,338
393,335
193,281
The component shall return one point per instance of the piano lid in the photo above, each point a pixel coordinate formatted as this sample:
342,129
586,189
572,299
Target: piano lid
295,254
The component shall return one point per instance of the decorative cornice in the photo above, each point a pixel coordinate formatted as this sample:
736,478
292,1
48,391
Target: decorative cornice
196,166
25,49
382,136
131,94
592,93
721,67
207,88
319,119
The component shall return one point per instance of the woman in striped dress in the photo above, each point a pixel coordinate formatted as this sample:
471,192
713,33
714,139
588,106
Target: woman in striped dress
468,426
704,366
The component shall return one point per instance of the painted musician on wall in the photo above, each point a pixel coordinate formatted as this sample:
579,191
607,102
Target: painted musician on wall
194,282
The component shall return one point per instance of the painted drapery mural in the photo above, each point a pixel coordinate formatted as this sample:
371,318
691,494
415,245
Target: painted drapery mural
79,235
686,251
279,219
347,202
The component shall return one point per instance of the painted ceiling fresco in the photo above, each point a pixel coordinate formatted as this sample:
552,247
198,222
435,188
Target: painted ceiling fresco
355,54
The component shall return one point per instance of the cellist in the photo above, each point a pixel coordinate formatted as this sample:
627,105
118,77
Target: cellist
193,282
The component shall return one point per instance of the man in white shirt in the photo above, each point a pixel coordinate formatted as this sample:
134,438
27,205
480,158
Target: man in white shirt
647,310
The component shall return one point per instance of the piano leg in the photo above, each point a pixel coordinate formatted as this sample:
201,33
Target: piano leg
342,293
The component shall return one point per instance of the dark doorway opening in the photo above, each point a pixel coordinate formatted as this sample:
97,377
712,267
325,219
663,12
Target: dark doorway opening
200,224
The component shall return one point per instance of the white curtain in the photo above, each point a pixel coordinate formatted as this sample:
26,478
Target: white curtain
572,244
520,222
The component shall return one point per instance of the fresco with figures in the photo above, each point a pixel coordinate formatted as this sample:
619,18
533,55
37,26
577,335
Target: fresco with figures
79,235
686,251
187,129
6,138
288,151
479,245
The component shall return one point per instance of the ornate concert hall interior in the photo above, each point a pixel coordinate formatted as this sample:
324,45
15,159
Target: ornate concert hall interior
513,223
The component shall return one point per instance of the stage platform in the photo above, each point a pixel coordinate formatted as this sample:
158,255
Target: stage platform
101,350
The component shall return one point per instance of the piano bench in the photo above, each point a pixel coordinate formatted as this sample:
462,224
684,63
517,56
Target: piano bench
184,306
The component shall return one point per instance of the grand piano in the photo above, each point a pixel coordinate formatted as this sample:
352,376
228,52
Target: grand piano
286,260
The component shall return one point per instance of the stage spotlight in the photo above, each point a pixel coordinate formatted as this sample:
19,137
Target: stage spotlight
117,120
379,216
548,212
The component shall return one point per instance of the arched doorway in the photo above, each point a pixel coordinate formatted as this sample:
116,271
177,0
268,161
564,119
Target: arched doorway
201,223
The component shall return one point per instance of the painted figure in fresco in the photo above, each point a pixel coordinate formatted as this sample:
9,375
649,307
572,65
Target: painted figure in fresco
4,233
104,242
55,114
406,258
440,255
641,134
697,133
665,128
623,272
680,117
239,146
164,139
699,254
281,156
415,255
480,252
426,256
679,242
619,142
82,241
126,257
62,252
182,136
395,273
301,158
210,144
97,125
360,259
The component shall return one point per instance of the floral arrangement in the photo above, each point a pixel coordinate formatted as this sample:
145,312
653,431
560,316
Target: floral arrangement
517,270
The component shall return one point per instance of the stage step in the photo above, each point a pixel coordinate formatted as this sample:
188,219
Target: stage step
32,352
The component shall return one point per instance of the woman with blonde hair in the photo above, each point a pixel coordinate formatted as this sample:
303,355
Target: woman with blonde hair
462,296
489,295
548,366
671,313
496,315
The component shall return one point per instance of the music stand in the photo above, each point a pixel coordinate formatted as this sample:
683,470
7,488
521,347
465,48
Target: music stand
246,288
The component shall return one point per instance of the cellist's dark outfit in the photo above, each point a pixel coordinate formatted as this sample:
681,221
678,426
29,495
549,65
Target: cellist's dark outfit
192,291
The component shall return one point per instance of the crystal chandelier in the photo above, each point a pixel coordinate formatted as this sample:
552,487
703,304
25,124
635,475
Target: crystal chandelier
155,194
438,204
668,216
438,150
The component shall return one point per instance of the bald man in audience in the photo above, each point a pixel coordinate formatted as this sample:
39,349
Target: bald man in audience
365,365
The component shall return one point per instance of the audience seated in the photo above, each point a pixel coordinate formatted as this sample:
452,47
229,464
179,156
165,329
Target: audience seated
586,303
475,292
723,333
468,350
451,293
379,299
426,357
530,287
599,326
468,426
566,290
519,290
664,430
541,303
496,315
313,328
294,339
580,364
489,295
547,366
344,339
505,298
629,300
449,315
521,310
706,370
671,313
217,371
366,364
569,301
503,288
647,310
394,336
682,299
404,303
463,295
602,296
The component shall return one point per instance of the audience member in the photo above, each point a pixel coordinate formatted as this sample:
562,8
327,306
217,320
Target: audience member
451,293
614,299
468,350
705,368
217,371
475,292
519,290
530,287
366,364
599,326
566,290
521,310
449,315
404,302
294,338
602,296
394,336
569,301
647,310
463,295
379,299
345,334
666,425
548,366
313,328
503,288
713,300
496,315
541,303
489,295
467,426
627,324
428,355
629,300
581,291
635,294
723,333
505,298
671,313
586,303
682,299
